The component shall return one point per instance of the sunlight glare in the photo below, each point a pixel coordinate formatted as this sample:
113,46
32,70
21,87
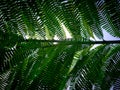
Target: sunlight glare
67,33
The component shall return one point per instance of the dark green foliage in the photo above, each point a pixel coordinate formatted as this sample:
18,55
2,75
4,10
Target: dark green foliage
46,44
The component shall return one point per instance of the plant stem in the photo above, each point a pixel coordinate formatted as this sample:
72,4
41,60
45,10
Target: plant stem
76,42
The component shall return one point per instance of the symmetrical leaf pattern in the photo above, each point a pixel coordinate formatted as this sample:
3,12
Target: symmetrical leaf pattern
47,45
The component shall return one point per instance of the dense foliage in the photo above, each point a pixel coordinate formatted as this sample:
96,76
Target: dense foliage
51,44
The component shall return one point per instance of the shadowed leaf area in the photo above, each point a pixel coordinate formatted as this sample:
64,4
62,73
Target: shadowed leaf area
59,45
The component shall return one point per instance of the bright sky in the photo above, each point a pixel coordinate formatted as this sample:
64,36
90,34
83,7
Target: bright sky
107,36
